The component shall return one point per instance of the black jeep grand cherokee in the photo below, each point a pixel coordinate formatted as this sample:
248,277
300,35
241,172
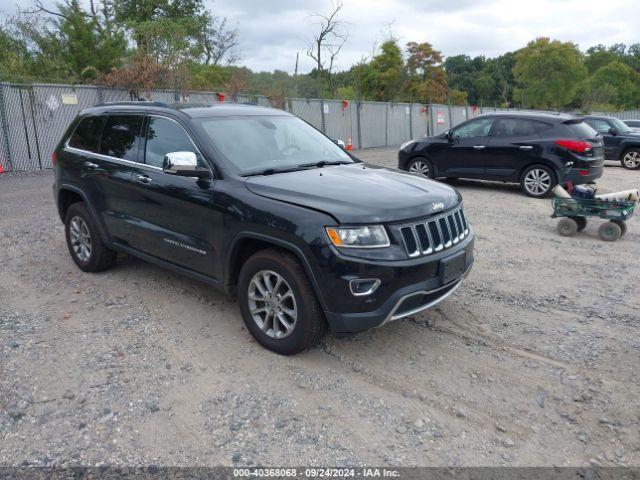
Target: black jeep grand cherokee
260,204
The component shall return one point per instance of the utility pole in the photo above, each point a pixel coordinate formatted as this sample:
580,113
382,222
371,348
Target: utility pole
295,77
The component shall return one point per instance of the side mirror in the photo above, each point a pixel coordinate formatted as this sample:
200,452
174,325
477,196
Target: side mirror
340,143
184,164
613,131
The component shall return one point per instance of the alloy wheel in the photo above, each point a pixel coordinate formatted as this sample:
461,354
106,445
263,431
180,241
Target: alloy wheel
631,159
420,167
537,181
272,304
80,239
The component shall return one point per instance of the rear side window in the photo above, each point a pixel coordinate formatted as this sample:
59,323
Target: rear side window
86,134
519,127
121,136
580,130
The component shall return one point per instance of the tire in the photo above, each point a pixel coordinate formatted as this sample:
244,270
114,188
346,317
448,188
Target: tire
261,271
537,181
83,241
567,227
421,166
581,222
631,159
610,231
623,227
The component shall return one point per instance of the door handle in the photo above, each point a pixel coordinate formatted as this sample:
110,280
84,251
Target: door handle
90,165
479,147
526,147
143,178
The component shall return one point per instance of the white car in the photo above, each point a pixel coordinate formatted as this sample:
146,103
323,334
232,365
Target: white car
634,125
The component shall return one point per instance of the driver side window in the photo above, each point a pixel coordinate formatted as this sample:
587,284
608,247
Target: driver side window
164,136
475,128
600,126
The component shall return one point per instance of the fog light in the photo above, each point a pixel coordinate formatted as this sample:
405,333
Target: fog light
584,173
361,287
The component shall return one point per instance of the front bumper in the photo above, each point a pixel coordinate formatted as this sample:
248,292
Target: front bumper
405,289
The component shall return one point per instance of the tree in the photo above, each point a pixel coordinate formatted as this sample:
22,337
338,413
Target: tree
549,73
84,44
426,75
140,73
327,42
597,57
615,85
219,43
384,78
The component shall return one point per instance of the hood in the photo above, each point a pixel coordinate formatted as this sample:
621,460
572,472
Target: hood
357,193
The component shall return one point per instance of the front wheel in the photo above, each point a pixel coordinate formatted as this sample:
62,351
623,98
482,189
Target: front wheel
537,181
631,159
278,304
421,166
623,226
610,231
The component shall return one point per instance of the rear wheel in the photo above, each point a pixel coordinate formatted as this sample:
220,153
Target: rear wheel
278,304
85,245
537,181
421,166
567,227
631,159
610,231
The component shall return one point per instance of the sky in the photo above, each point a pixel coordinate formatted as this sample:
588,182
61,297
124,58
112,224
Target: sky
271,32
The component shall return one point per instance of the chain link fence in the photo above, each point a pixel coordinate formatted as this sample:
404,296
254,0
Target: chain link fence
33,117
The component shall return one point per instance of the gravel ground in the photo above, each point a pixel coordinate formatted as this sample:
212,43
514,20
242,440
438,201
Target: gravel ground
534,361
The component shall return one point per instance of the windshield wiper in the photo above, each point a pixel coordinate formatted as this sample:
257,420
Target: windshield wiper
323,163
270,171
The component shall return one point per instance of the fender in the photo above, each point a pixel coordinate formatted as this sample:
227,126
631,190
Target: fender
625,145
280,243
102,231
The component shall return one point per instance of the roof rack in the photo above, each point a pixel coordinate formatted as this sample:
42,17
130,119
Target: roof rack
150,103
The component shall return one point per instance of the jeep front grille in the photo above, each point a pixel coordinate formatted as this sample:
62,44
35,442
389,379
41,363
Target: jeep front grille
435,234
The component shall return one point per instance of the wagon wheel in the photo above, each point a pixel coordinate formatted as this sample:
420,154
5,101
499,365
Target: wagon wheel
581,222
567,227
610,231
623,227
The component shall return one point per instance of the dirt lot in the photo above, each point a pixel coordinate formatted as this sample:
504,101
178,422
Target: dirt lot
534,361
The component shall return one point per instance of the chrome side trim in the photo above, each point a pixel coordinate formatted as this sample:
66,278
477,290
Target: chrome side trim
392,317
122,161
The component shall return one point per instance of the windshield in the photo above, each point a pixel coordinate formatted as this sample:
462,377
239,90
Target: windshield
258,143
620,125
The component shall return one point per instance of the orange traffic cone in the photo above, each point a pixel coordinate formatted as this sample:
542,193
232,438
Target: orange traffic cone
349,145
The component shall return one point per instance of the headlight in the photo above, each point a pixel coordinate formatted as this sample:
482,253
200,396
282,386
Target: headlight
373,236
406,144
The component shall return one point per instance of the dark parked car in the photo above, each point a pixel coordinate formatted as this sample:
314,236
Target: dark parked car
537,150
620,143
634,125
258,203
